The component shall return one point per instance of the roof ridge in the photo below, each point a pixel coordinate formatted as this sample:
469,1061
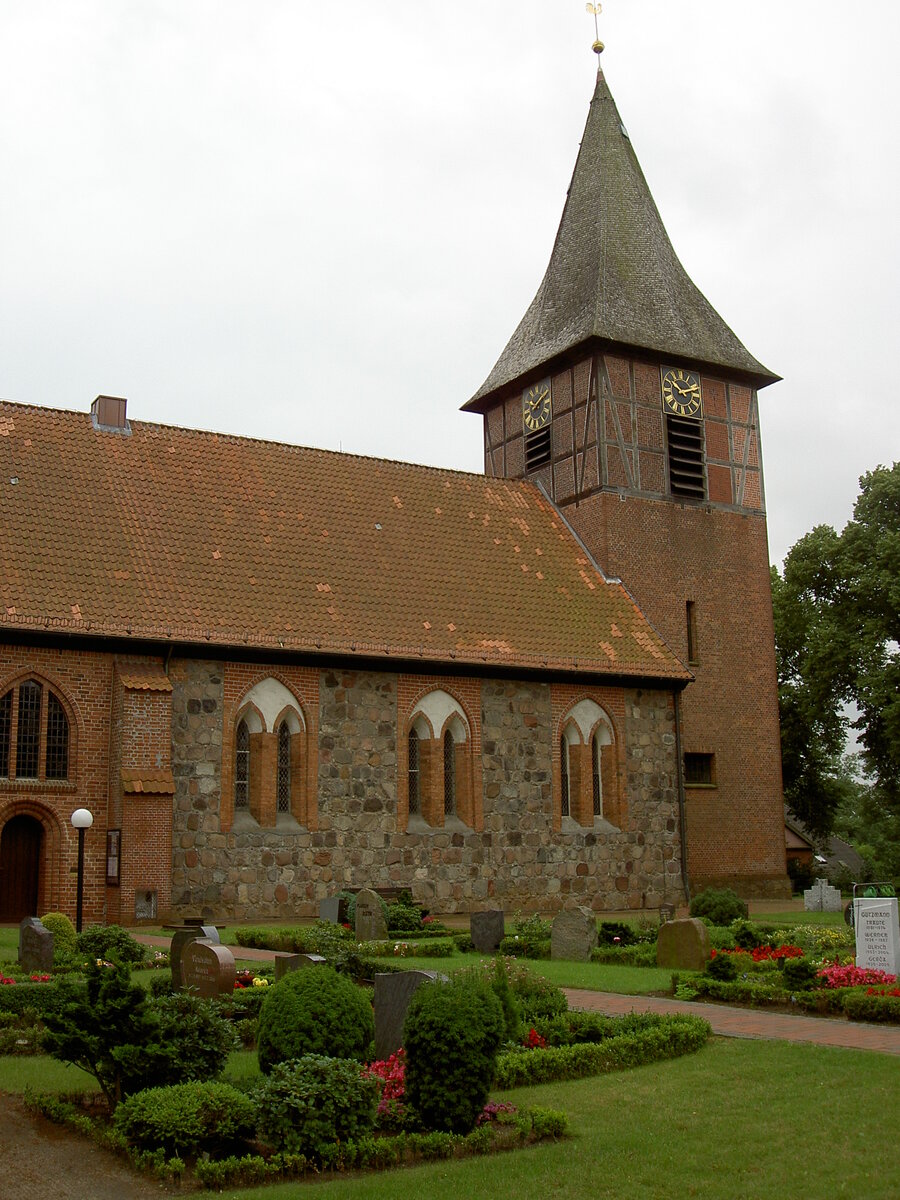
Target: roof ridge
138,424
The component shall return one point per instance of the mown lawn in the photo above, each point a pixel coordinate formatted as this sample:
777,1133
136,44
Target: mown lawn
742,1120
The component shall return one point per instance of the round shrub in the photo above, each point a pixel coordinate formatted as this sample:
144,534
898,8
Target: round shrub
110,942
314,1011
746,935
720,906
722,967
186,1118
314,1101
64,936
799,974
451,1035
194,1037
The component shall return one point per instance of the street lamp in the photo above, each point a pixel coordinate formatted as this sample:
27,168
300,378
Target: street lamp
82,820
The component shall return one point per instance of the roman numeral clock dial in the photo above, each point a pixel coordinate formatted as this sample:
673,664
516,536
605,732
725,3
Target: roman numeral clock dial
536,406
681,392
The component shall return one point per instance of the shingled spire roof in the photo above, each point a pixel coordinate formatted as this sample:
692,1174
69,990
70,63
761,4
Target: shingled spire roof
613,274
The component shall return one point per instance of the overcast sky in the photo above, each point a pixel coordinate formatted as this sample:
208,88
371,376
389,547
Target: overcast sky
321,222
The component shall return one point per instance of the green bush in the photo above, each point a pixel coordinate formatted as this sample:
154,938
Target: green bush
43,998
536,996
610,933
64,936
660,1038
186,1117
860,1007
195,1035
721,906
111,1028
109,942
403,918
451,1035
799,974
722,967
309,1103
640,954
746,935
314,1011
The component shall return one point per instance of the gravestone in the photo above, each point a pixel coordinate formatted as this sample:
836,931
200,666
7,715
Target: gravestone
392,996
683,944
295,962
35,945
666,913
877,927
207,969
182,938
486,930
370,923
573,935
822,897
334,909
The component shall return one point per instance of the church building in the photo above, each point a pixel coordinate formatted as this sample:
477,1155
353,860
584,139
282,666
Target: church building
270,672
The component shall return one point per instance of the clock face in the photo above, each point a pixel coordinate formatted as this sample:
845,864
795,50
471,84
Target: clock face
681,392
536,406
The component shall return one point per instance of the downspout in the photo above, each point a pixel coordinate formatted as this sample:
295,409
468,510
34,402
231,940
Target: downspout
682,818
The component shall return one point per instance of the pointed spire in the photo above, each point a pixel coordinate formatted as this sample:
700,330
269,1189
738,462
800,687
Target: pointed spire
613,274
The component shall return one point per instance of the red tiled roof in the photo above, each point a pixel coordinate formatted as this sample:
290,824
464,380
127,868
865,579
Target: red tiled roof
140,677
150,783
176,534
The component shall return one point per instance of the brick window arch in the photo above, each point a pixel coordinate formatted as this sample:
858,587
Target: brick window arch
438,777
35,733
270,760
588,766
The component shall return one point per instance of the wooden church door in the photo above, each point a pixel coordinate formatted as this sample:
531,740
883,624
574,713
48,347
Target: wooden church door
20,861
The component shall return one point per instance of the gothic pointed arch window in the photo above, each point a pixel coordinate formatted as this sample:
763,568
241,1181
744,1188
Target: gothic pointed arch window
242,767
35,733
270,760
439,764
588,769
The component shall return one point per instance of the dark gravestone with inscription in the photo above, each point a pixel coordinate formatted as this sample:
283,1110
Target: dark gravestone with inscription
392,996
207,969
334,909
35,945
182,938
486,930
284,963
370,923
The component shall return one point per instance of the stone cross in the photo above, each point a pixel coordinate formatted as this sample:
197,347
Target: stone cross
822,897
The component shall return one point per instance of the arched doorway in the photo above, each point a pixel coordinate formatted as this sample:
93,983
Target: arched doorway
20,865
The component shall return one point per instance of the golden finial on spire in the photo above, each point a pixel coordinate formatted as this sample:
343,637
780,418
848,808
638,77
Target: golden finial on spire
596,9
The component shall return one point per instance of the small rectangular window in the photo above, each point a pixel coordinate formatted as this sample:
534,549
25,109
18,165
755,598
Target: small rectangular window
700,770
691,616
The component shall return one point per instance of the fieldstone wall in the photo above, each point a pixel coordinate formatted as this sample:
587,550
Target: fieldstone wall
517,860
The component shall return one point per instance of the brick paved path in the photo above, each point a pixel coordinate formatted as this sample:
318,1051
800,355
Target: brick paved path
750,1022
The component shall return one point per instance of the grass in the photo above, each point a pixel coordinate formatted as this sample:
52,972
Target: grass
597,977
742,1120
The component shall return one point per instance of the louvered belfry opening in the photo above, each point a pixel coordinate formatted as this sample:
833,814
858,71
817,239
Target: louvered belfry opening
684,440
537,448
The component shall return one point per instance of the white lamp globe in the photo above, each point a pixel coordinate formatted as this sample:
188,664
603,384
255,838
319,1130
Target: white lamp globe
82,819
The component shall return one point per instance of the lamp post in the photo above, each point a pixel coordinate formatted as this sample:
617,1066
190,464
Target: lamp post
82,820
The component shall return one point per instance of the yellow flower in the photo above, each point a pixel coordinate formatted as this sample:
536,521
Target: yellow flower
258,981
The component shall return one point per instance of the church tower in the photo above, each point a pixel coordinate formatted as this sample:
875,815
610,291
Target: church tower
629,401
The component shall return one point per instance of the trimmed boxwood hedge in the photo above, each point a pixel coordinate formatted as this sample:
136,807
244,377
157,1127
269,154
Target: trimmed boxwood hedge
656,1037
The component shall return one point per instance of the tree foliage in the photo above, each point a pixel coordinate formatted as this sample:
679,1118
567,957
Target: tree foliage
837,629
